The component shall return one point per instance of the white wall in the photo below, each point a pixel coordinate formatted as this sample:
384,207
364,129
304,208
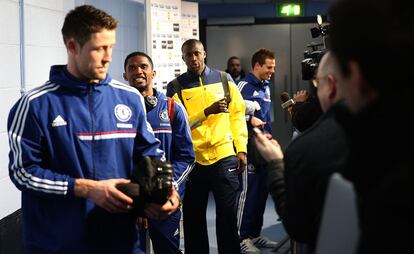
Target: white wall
44,47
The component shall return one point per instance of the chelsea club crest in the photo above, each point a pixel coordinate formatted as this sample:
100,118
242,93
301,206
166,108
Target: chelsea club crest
164,115
122,112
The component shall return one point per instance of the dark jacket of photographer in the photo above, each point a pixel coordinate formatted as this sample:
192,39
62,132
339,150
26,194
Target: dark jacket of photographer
381,169
299,191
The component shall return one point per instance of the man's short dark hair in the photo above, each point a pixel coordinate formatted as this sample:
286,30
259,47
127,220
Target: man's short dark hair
231,59
191,42
85,20
137,53
379,36
261,55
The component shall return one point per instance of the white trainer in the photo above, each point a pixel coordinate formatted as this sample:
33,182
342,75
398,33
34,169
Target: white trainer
264,242
247,247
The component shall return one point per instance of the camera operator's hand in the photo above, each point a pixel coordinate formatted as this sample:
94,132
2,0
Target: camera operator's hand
300,96
267,147
257,122
157,211
217,107
104,194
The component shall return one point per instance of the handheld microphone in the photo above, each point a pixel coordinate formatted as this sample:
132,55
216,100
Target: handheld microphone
286,100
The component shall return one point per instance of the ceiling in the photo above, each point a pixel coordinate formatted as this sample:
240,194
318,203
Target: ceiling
245,1
232,1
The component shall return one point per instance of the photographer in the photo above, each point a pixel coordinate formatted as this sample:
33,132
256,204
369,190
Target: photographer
379,95
76,138
298,178
304,110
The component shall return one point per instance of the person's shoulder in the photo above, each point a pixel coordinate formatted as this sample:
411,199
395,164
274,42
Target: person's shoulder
40,92
216,73
172,85
117,85
181,79
178,107
161,95
245,84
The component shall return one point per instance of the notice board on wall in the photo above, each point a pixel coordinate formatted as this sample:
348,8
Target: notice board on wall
169,24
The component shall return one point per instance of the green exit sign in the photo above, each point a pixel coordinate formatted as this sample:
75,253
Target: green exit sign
290,10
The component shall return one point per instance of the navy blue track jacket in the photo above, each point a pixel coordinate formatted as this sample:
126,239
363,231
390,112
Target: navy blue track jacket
68,129
253,89
175,140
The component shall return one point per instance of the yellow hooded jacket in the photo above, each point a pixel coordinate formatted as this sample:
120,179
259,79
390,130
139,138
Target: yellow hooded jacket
218,135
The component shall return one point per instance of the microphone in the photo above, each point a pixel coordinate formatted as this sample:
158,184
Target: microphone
286,100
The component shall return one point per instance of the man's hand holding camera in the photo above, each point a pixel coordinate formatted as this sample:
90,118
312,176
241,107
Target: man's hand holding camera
105,194
152,189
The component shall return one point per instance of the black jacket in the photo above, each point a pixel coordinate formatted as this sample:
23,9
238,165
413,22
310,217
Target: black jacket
381,166
309,161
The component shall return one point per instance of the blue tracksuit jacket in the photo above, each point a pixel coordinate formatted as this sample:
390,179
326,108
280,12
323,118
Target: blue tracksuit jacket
175,140
253,89
68,129
177,144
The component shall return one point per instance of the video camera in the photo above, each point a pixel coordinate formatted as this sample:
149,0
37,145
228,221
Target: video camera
151,182
314,54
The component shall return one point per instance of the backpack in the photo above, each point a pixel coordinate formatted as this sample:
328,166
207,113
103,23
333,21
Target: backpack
171,110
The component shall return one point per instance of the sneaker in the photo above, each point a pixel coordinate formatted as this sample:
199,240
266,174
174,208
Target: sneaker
247,247
264,242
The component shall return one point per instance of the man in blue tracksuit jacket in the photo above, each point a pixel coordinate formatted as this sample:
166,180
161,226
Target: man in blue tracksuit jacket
170,124
73,140
252,202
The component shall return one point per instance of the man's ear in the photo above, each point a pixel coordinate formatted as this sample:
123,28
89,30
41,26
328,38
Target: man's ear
71,46
331,85
125,76
154,73
356,78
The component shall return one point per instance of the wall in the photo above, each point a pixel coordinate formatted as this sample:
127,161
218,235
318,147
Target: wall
9,92
44,46
287,41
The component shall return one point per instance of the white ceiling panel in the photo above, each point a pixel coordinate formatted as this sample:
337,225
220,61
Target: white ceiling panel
244,1
231,1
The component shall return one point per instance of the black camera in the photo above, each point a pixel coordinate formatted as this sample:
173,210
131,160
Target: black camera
313,56
151,182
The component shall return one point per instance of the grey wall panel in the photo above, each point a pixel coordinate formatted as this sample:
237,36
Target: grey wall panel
243,41
288,41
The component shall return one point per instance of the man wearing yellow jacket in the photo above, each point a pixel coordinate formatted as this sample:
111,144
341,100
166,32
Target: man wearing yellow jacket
219,132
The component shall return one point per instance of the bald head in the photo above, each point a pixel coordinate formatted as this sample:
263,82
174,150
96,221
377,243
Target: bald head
328,65
329,90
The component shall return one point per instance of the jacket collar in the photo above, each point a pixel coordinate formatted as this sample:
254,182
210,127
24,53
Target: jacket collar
60,75
255,81
193,76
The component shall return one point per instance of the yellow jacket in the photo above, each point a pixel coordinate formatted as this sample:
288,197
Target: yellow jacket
218,135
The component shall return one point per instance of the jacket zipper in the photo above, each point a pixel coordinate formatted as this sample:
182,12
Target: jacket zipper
90,98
